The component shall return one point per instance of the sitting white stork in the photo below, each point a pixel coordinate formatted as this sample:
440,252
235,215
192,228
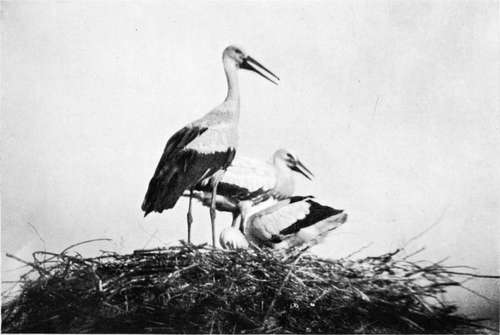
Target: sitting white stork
204,148
253,184
289,223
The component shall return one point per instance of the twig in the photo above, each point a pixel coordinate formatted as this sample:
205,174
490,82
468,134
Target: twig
413,253
278,292
40,269
38,233
473,275
153,235
84,242
435,223
359,250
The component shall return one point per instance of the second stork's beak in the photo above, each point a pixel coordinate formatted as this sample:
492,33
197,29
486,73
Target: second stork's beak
250,64
300,168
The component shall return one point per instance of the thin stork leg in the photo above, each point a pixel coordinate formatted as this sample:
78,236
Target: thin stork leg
212,210
190,216
236,215
242,224
244,207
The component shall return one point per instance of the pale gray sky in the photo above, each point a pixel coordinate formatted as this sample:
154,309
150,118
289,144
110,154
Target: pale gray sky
394,105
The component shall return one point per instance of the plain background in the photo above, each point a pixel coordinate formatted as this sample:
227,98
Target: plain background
394,105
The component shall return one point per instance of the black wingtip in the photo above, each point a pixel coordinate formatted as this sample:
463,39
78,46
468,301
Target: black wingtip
338,211
275,239
146,210
297,198
146,207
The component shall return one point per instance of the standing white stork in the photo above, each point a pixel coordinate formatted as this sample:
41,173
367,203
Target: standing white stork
250,182
204,148
292,222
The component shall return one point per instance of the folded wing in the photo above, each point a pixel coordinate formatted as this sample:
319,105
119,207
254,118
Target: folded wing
296,220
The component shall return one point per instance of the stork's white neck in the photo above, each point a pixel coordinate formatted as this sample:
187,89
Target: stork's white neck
285,184
233,88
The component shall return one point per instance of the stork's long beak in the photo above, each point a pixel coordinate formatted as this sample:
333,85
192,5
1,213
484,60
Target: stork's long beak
250,64
300,168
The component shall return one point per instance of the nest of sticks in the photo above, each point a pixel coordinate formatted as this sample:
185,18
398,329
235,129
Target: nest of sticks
197,289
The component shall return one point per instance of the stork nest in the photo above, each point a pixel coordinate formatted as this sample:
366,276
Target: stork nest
197,289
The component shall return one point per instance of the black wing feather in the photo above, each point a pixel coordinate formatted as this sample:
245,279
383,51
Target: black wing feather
166,173
180,169
298,198
317,212
176,143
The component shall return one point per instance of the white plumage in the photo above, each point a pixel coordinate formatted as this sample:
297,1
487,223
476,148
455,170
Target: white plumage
251,174
233,238
249,185
266,224
293,222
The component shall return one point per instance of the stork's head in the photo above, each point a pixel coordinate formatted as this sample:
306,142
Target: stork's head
242,60
283,156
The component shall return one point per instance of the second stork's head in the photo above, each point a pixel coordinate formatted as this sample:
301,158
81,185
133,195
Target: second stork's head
236,56
284,159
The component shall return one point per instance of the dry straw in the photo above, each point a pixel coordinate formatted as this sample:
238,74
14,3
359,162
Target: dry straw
196,289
